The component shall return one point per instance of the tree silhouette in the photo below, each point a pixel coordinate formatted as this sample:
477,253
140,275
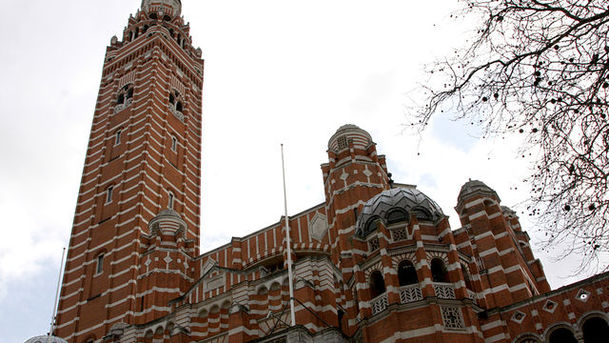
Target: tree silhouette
539,69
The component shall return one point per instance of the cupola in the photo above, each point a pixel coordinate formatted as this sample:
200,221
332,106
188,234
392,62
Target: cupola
347,134
475,189
167,222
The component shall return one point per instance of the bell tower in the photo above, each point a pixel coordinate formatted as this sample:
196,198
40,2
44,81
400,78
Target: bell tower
143,158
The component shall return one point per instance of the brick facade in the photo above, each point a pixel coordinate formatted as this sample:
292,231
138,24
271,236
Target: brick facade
377,261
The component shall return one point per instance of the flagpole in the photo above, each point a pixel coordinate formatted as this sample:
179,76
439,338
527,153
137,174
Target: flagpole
289,245
63,254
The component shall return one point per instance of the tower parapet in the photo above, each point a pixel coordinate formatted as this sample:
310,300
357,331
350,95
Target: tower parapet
170,8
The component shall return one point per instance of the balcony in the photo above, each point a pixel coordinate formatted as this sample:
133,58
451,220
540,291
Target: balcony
379,304
121,107
410,293
178,114
444,290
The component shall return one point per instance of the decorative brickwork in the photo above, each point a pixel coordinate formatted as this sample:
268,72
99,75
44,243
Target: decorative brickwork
377,261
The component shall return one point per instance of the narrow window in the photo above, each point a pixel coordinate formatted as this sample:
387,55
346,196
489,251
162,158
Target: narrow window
170,205
117,138
100,264
174,143
109,194
179,107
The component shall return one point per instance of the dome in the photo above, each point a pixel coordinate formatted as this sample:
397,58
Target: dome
172,8
168,222
45,339
346,133
395,205
476,187
169,213
508,212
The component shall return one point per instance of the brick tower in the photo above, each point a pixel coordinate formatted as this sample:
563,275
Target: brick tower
136,224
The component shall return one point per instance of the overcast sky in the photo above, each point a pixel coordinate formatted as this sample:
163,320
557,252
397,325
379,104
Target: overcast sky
276,71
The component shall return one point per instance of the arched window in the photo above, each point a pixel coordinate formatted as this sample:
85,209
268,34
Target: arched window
377,284
438,270
176,104
125,96
407,274
422,213
396,216
371,226
170,202
595,330
528,338
562,335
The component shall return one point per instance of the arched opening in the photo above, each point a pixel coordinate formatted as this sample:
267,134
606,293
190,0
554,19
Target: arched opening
169,328
175,101
562,335
170,202
263,291
153,16
224,315
371,226
595,330
377,284
439,273
422,213
125,95
528,338
396,216
407,273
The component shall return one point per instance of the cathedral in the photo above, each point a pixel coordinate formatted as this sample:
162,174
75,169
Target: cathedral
376,262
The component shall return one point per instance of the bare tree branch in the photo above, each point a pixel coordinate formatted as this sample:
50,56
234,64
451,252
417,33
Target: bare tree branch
540,69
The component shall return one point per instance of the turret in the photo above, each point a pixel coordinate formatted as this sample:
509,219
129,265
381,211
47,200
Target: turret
494,232
354,173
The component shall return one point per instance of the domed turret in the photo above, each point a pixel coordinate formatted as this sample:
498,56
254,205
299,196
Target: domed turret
171,8
168,222
475,187
395,205
349,133
45,339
